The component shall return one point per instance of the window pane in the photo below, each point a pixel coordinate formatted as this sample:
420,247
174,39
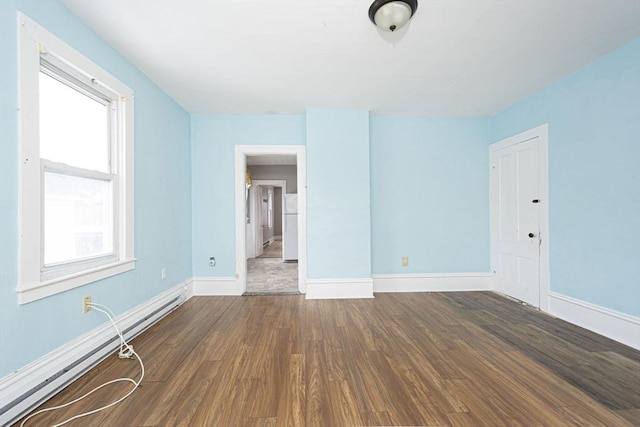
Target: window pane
78,218
74,128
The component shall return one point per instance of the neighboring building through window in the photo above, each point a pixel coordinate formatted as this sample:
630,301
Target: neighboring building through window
76,125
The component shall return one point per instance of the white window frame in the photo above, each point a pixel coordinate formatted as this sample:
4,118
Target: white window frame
36,280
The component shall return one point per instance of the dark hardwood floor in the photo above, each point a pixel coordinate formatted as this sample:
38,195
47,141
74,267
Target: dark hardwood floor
446,359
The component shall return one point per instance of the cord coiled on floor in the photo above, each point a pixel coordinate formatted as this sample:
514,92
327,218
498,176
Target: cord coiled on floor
126,352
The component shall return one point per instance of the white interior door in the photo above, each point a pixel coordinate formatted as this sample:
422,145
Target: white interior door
515,202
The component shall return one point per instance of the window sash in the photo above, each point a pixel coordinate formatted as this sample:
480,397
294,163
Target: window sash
56,69
66,74
53,270
59,70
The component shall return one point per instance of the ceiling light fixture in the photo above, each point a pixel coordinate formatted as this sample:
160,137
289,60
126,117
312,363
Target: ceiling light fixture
391,15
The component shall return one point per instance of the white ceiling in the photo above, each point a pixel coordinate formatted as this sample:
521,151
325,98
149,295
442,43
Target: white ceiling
455,58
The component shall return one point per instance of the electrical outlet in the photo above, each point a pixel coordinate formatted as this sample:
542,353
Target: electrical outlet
405,261
163,273
85,304
212,261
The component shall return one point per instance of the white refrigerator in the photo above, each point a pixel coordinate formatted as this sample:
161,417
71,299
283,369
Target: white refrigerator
290,228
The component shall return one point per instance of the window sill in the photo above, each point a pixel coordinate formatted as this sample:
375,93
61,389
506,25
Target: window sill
47,288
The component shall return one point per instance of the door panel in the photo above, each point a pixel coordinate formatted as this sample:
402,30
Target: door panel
515,181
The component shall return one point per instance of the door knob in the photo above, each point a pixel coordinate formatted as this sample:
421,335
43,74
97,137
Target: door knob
532,235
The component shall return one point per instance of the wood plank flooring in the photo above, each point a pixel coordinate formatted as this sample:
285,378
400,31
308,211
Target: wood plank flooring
427,359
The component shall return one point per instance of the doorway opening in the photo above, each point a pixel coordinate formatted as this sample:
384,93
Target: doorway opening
271,219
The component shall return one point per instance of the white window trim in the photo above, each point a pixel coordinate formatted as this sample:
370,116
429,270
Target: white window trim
32,285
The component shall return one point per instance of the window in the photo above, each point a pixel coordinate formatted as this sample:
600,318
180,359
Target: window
76,125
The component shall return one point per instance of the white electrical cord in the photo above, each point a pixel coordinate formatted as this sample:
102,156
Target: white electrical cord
126,351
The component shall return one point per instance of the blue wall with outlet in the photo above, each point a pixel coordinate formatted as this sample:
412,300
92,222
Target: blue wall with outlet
162,197
429,195
213,170
594,177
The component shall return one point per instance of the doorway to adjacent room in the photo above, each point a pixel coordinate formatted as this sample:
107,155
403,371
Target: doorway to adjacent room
270,219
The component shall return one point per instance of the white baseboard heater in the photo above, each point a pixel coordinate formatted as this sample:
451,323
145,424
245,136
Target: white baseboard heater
24,390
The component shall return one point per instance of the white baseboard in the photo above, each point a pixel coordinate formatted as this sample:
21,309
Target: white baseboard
23,390
189,288
612,324
446,282
214,286
339,288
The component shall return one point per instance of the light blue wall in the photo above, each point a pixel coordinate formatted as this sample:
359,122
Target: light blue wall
594,177
214,139
338,194
429,195
162,197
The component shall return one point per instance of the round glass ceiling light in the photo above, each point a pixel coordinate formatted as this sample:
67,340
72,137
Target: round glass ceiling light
391,15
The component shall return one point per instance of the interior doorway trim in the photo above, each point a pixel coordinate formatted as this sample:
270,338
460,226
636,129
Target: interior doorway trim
542,134
281,183
241,153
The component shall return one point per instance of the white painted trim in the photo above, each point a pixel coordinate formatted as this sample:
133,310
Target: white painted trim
61,284
339,288
241,153
542,133
33,284
189,289
445,282
213,286
610,323
36,373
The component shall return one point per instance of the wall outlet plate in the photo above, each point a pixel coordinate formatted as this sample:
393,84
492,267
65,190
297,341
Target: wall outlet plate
85,304
212,261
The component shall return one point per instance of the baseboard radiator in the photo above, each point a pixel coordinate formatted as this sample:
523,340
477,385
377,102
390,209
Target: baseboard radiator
26,389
